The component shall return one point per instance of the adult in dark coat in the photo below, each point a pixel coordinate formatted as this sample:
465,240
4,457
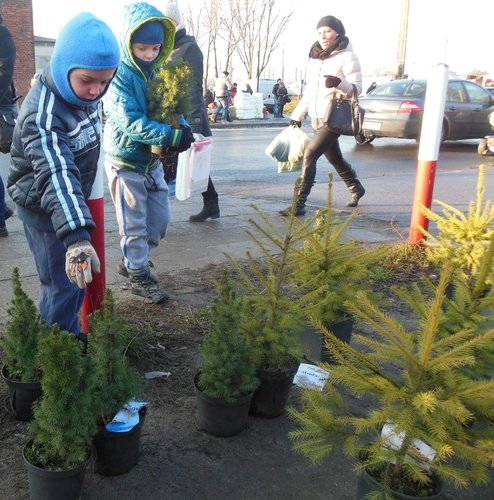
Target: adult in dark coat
187,49
7,98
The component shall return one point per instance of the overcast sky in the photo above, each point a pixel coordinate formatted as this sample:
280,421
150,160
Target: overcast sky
456,32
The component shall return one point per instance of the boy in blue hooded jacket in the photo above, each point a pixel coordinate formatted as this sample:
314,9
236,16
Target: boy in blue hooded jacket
135,174
55,152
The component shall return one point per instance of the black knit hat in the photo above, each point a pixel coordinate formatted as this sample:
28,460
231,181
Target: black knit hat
332,22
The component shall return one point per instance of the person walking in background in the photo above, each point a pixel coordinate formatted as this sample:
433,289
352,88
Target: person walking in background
282,98
371,87
274,91
333,67
55,152
208,97
233,93
248,89
187,49
135,175
7,99
221,91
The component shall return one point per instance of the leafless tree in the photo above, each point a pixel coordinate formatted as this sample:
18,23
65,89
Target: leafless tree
249,30
192,19
257,27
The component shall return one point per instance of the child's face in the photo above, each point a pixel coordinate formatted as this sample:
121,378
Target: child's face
89,84
146,52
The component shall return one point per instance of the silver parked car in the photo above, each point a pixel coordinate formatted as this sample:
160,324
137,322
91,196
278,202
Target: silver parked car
395,109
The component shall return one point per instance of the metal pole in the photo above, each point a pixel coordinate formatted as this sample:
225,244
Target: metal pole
96,289
430,139
402,43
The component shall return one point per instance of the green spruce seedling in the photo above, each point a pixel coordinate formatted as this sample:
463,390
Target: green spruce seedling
168,93
271,298
462,237
24,330
116,381
64,418
228,369
331,268
418,383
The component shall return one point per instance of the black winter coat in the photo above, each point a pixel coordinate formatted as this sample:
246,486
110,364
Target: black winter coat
186,48
7,61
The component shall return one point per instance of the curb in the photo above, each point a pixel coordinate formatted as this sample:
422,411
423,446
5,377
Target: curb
266,122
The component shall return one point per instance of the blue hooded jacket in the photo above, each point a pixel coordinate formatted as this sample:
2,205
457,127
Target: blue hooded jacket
56,144
129,133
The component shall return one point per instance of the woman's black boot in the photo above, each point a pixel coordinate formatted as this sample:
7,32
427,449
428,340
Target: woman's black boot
304,192
357,191
211,210
349,177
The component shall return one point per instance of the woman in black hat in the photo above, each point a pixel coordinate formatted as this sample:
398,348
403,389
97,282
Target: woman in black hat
333,67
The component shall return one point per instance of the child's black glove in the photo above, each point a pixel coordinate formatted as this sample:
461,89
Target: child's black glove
332,81
186,140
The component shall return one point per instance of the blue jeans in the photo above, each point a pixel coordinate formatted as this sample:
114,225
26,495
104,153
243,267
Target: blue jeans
276,109
223,105
59,300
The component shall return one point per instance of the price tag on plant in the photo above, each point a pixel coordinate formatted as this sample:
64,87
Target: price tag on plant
422,452
310,376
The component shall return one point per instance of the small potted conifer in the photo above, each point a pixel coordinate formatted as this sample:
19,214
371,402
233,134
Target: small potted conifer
329,269
20,342
271,310
418,387
226,382
116,383
64,420
168,95
467,240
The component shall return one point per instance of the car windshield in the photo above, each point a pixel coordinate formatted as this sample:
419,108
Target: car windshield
401,88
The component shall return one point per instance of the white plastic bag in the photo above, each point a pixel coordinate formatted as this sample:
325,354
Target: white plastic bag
193,168
288,145
298,140
286,166
278,148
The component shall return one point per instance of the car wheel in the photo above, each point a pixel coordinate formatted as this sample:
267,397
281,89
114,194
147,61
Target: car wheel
442,138
482,148
362,139
444,133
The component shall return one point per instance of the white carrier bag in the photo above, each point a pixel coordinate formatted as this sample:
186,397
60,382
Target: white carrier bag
193,168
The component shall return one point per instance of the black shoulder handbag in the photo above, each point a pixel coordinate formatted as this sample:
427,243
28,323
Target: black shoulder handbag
345,116
8,118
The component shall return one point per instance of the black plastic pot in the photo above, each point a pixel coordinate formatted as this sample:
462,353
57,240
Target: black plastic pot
341,330
270,397
220,417
118,452
367,484
312,340
22,395
55,485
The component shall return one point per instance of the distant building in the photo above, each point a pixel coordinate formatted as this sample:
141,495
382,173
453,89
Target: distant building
18,17
43,49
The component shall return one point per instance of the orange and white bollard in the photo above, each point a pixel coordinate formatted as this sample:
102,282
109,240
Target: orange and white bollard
430,139
96,289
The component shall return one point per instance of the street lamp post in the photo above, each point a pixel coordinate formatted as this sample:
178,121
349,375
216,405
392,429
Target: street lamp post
402,43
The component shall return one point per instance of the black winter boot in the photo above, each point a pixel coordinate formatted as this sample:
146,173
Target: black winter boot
210,210
304,192
349,177
357,191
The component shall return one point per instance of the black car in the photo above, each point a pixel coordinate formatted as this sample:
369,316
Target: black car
395,109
